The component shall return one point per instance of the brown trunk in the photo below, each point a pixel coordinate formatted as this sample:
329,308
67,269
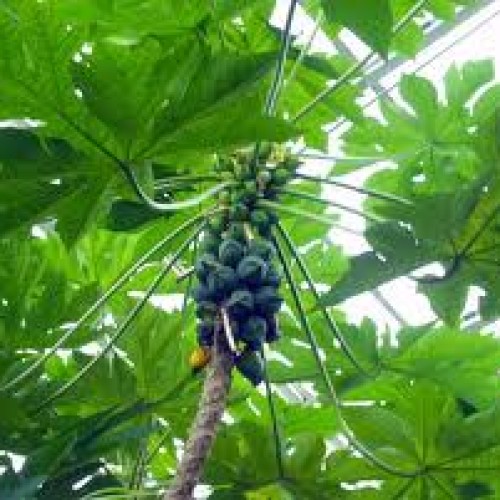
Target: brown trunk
206,422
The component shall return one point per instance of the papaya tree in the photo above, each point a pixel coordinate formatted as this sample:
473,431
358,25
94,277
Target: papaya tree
169,283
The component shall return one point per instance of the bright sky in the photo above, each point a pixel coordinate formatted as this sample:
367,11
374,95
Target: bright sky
482,44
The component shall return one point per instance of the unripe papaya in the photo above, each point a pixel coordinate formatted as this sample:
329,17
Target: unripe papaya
240,304
252,270
239,212
253,332
281,176
251,366
273,277
231,252
205,310
201,293
273,331
236,232
204,265
225,197
264,177
222,280
217,224
260,219
261,248
267,301
205,332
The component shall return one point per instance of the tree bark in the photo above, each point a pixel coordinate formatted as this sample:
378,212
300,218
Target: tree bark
205,425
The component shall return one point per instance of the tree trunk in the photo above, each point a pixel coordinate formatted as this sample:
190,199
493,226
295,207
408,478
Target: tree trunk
204,428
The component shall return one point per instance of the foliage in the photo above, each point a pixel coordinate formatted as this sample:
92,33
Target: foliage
115,114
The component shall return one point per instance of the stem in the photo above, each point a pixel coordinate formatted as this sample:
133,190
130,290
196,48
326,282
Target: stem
316,199
332,324
332,393
272,96
278,448
361,190
147,457
356,67
206,422
126,322
304,50
297,212
112,290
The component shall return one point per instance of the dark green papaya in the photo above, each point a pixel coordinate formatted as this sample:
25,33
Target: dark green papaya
240,304
221,281
261,248
251,366
217,224
273,330
264,177
225,197
239,212
253,331
236,231
281,176
273,277
201,293
205,332
204,264
231,252
267,301
206,310
260,219
252,270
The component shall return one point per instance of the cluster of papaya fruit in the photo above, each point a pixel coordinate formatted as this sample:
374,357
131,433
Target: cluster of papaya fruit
237,290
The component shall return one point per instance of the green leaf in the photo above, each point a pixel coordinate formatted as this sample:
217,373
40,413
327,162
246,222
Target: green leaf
371,21
45,181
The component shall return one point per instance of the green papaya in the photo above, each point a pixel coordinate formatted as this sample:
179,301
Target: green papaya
281,176
236,231
267,301
251,366
273,331
204,265
201,293
253,332
225,197
273,277
264,177
252,270
239,212
261,248
206,310
205,332
221,281
260,219
217,224
231,252
240,304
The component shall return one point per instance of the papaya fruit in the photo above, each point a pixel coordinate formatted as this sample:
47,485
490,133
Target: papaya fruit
221,281
252,270
267,301
261,248
253,332
240,304
251,366
231,252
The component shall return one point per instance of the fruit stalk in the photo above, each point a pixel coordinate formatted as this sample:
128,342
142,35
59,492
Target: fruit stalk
205,425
